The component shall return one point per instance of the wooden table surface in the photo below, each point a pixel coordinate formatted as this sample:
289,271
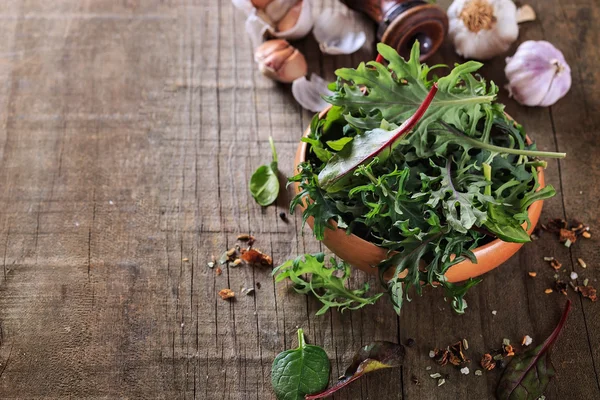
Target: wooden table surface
128,132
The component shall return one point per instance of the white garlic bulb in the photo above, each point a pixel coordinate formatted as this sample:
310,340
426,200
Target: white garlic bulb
537,74
482,29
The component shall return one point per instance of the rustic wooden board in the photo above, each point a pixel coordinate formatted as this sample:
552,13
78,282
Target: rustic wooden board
128,132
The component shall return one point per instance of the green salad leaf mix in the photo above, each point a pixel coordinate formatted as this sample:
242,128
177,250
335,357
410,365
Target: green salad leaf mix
427,168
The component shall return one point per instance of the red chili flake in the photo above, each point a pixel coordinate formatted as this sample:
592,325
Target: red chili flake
507,350
441,356
555,264
226,294
256,257
487,362
566,234
218,271
589,292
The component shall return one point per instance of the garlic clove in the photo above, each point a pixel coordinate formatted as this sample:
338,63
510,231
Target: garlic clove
537,74
290,19
261,3
280,61
269,47
304,22
339,32
277,9
308,93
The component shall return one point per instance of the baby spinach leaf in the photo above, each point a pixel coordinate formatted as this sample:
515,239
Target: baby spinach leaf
264,183
528,374
378,142
301,371
327,284
373,357
339,144
502,224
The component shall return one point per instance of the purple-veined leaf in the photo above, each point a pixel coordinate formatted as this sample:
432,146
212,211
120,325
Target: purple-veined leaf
528,374
368,145
375,356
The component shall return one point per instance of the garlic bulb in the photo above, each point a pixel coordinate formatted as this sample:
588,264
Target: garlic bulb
279,60
482,29
538,74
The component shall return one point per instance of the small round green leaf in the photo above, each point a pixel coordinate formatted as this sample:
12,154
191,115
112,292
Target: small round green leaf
298,372
264,185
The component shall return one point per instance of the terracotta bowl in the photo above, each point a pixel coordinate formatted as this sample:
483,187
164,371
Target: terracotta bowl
366,255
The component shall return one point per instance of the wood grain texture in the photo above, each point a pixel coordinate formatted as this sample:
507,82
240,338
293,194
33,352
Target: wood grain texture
128,132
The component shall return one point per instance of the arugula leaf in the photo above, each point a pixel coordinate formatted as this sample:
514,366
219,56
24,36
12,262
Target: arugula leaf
264,183
528,374
373,92
339,144
378,142
502,224
298,372
326,284
372,357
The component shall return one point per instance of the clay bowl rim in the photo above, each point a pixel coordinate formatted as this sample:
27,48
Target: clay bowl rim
460,271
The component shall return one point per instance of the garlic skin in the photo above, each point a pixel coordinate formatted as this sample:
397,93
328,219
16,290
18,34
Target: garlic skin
290,19
537,74
280,61
308,93
339,32
482,29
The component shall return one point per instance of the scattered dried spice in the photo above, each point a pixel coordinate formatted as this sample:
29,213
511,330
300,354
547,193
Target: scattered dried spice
185,259
246,238
581,263
226,294
441,381
210,264
465,344
231,252
453,354
527,340
465,371
554,263
589,292
258,285
585,282
548,258
436,375
487,362
236,262
535,235
283,216
533,274
256,257
560,287
574,275
478,372
415,380
248,291
410,342
548,291
218,271
567,233
507,350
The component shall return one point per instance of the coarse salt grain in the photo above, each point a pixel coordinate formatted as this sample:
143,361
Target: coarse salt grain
431,354
494,312
465,371
574,275
478,372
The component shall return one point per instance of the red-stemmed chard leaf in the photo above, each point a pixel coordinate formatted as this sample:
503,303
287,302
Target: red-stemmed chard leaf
368,145
375,356
528,374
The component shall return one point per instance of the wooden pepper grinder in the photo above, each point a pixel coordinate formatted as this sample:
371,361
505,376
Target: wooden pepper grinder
401,22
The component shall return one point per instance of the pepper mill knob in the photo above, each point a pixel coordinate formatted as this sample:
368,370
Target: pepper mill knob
401,22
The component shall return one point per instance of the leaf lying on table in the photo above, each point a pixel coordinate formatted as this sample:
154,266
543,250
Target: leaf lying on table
373,357
264,183
327,284
301,371
528,374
